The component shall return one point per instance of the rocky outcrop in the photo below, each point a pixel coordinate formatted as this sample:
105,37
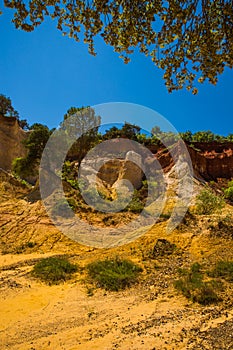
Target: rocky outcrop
109,171
212,160
113,174
131,169
11,185
11,137
118,169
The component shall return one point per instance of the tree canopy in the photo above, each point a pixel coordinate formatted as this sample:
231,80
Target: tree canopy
36,140
190,40
6,108
126,131
81,124
205,136
35,144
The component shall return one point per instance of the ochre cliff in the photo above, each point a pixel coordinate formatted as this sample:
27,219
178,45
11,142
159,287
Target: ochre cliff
212,160
11,137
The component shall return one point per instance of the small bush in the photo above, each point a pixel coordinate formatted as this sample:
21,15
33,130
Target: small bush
223,269
72,203
207,202
63,208
25,183
20,249
193,287
23,167
196,269
30,244
228,192
225,222
113,274
135,206
73,183
165,216
223,227
206,295
53,270
66,169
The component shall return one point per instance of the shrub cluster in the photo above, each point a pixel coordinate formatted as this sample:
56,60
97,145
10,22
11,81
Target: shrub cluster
223,269
193,287
207,202
53,270
229,191
115,274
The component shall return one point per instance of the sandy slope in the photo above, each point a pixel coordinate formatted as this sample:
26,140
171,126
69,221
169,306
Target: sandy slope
37,316
150,315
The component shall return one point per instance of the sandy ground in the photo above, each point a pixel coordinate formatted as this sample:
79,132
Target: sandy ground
151,315
37,316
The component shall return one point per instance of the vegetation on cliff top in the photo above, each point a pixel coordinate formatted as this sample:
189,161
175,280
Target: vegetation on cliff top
7,110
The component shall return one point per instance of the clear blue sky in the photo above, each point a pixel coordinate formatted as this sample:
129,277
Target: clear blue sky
45,73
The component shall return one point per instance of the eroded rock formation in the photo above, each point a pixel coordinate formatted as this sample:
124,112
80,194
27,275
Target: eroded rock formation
11,137
212,160
111,174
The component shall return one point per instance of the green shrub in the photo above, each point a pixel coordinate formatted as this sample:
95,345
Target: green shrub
113,274
23,167
21,248
225,222
30,244
72,203
206,294
73,183
66,169
193,287
135,206
228,192
165,216
207,202
196,269
223,269
222,227
53,270
63,208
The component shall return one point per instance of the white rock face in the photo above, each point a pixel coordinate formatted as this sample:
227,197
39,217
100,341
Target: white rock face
180,178
116,175
134,157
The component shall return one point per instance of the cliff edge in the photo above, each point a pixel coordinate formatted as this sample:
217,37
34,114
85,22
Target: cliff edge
11,137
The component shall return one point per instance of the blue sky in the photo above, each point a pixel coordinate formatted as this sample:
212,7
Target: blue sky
45,73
